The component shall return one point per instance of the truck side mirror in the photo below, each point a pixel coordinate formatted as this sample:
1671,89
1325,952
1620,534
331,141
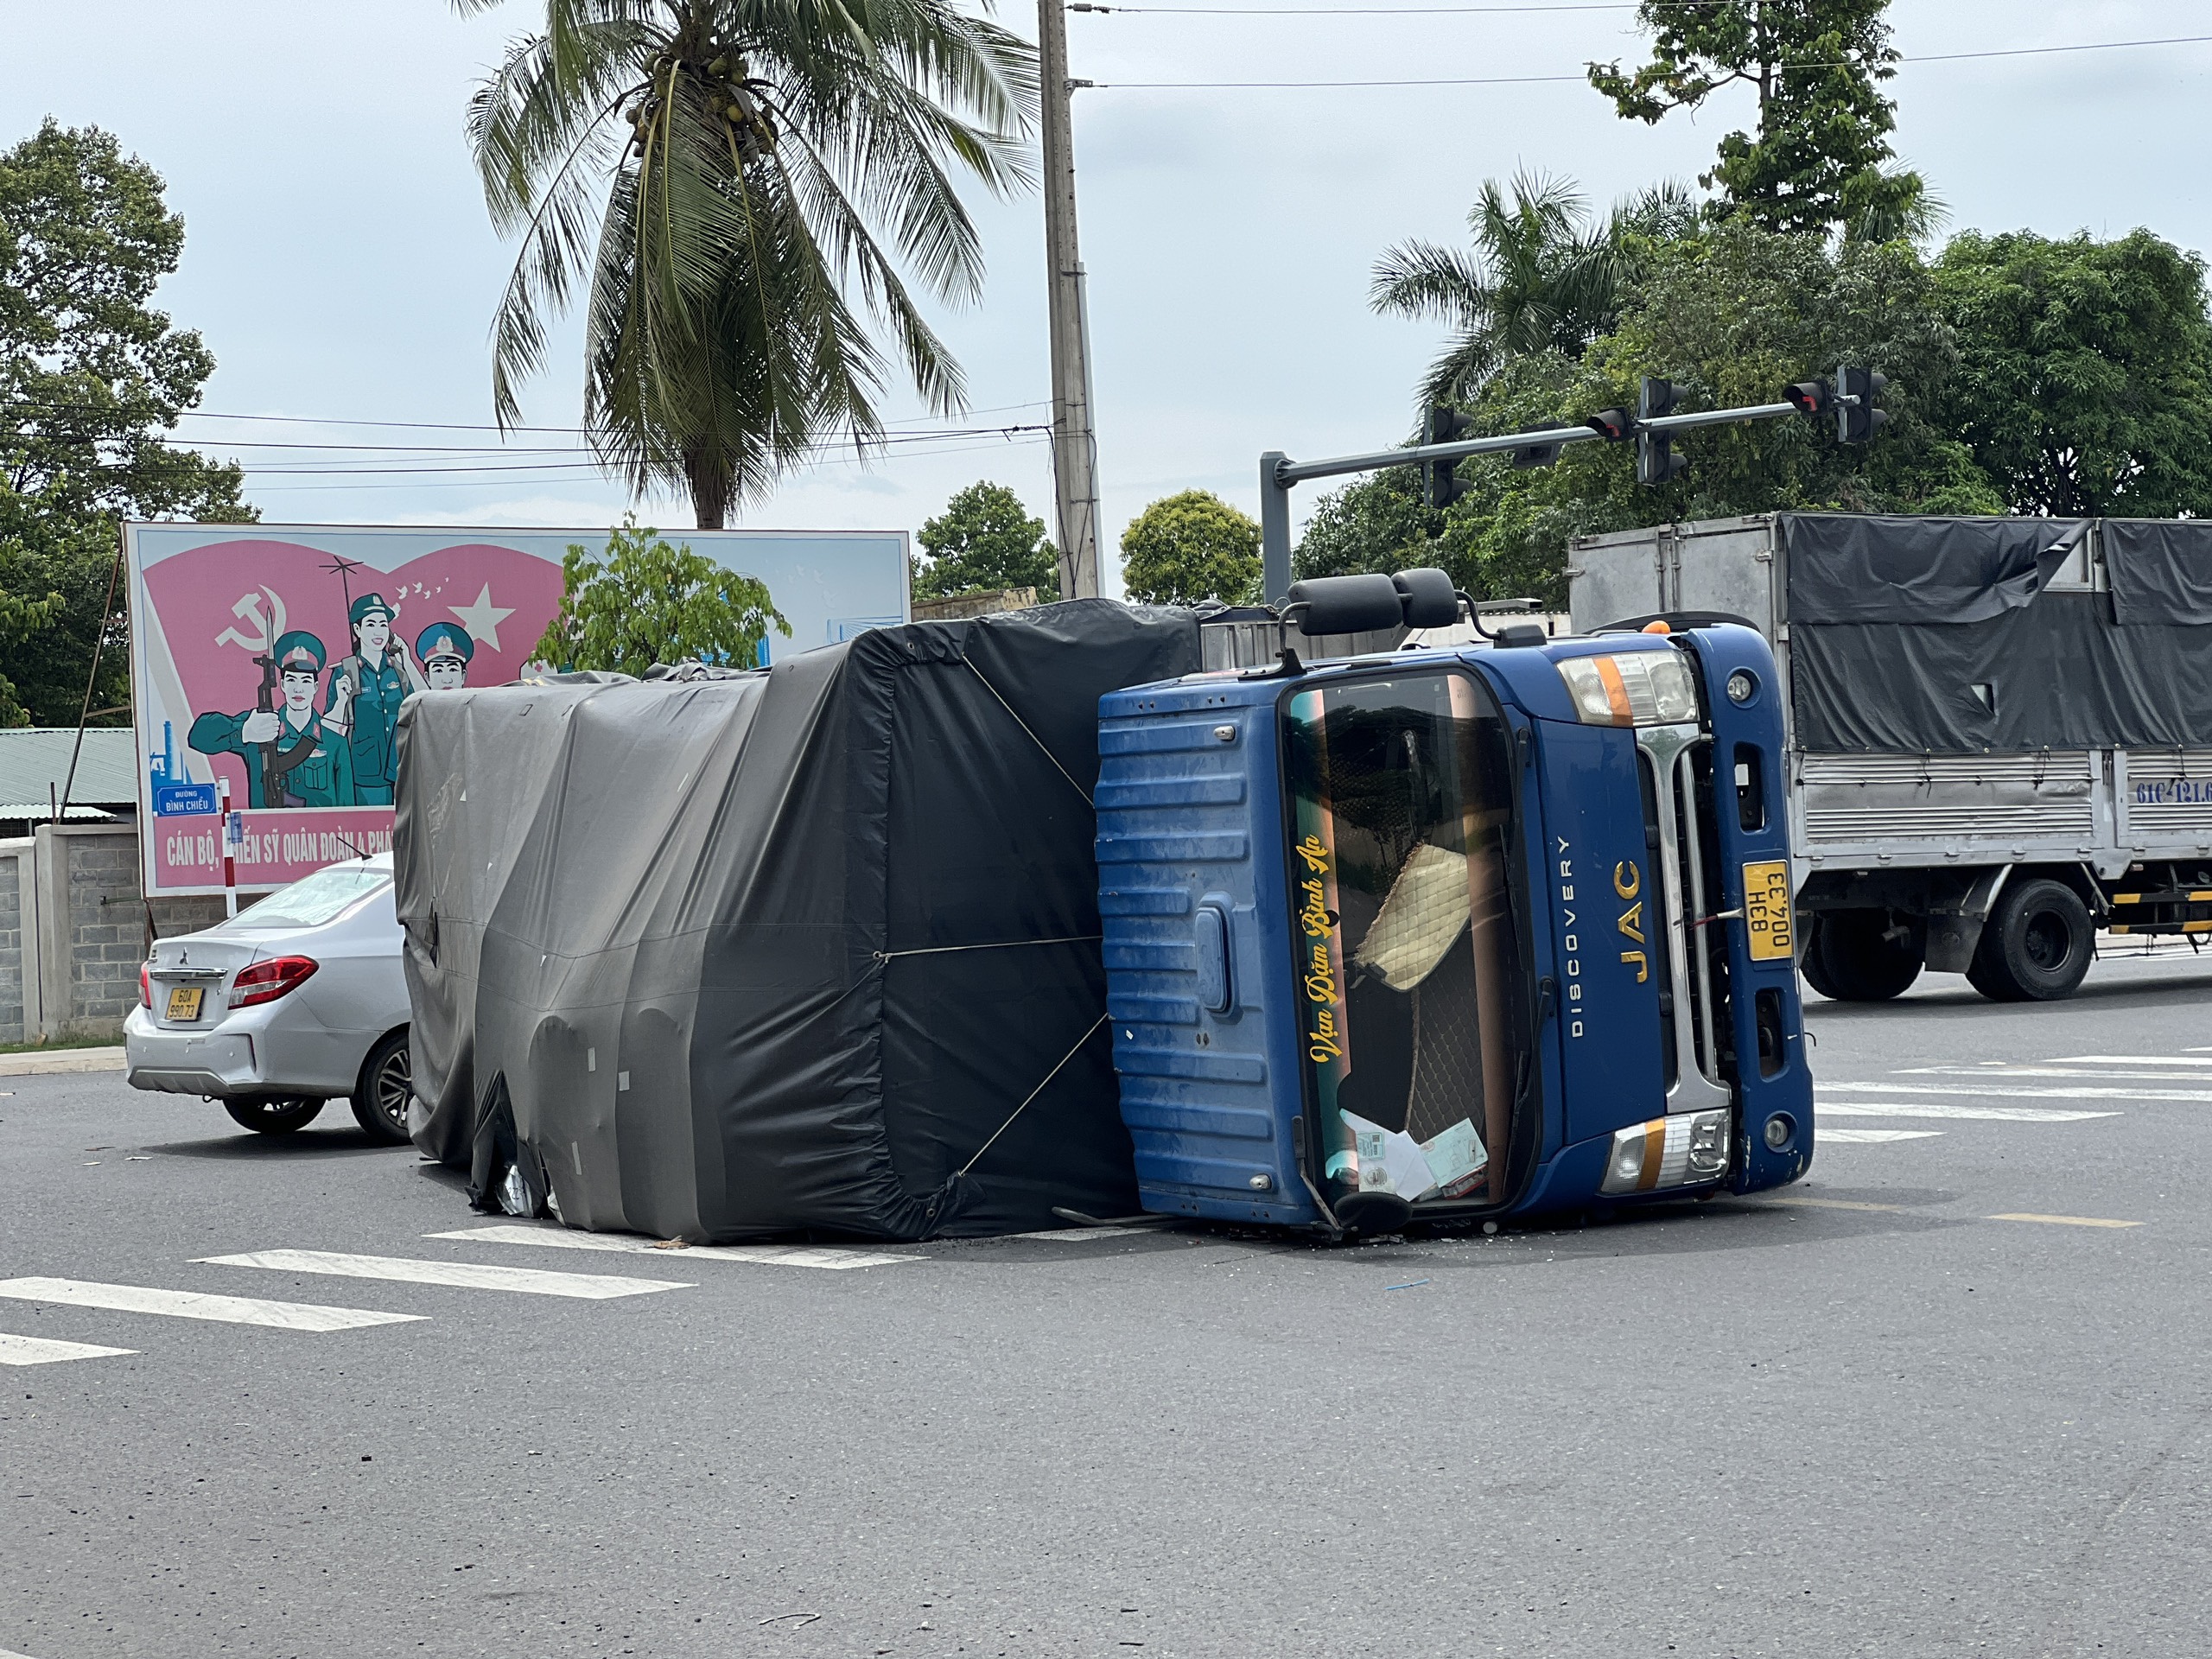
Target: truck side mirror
1428,597
1343,604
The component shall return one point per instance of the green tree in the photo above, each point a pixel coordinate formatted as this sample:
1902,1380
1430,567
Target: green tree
90,376
730,178
1730,315
1543,275
1821,157
2085,376
644,603
1376,522
984,540
1190,547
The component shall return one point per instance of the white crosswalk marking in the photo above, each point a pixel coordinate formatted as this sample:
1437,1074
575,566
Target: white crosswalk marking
2131,1059
469,1276
2094,1074
780,1255
1871,1136
1936,1109
45,1350
193,1305
2020,1094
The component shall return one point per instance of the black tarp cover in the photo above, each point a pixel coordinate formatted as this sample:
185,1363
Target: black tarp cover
1937,636
715,943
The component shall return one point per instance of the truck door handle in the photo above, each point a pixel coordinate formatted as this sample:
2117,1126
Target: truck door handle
1211,923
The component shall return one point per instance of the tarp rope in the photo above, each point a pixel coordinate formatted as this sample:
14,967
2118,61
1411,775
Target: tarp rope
992,944
1032,737
1031,1095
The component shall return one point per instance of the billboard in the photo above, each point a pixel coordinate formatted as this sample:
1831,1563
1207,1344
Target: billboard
275,657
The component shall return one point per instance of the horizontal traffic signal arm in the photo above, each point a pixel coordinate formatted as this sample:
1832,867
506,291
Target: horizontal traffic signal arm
1621,425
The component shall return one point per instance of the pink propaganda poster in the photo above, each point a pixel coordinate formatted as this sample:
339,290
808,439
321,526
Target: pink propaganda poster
276,657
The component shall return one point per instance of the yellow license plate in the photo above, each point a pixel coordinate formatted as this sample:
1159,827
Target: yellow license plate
1766,911
184,1003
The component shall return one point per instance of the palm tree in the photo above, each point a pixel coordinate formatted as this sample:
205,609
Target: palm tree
1542,277
728,171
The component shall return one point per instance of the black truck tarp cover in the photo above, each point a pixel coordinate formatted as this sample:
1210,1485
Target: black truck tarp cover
779,953
1940,636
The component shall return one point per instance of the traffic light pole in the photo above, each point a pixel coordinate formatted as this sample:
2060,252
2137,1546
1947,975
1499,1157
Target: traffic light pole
1278,472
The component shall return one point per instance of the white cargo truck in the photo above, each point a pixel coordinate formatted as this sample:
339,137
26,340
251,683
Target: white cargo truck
1999,729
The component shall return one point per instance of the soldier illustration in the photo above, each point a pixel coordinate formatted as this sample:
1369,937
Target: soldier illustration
445,650
292,757
365,691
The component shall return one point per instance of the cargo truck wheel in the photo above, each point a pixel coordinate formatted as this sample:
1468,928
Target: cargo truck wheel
272,1114
1811,965
1869,956
2035,947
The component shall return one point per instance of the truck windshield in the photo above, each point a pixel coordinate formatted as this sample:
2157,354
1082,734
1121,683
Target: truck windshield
1406,955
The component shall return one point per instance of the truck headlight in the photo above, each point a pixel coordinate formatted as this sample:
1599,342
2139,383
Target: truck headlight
1642,688
1679,1151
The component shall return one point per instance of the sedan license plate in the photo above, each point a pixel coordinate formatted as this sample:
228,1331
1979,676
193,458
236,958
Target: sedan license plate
184,1003
1766,911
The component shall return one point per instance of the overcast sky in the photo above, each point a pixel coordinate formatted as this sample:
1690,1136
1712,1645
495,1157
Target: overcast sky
338,264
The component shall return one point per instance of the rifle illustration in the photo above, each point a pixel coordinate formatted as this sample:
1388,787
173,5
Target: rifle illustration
276,762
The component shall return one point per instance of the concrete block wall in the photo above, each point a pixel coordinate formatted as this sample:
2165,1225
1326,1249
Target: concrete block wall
15,877
81,930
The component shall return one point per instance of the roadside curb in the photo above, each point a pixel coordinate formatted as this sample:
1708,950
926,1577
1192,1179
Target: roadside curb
61,1060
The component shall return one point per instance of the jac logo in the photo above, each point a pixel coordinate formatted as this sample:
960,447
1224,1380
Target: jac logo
1628,882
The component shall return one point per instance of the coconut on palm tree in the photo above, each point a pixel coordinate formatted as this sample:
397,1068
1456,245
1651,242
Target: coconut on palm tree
1544,274
748,186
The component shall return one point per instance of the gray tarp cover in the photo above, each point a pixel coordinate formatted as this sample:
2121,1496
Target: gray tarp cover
1935,636
713,945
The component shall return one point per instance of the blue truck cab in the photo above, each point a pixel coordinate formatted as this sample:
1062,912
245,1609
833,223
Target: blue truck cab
1454,933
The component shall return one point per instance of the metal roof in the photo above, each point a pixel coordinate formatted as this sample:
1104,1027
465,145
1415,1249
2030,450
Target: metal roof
35,758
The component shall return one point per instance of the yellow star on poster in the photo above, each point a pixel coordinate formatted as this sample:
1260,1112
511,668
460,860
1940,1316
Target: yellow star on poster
482,618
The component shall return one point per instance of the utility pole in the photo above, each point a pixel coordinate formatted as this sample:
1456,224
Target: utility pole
1075,445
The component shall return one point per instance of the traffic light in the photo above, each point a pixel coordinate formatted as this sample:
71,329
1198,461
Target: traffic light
1814,397
1856,417
1441,484
1538,454
1611,424
1655,459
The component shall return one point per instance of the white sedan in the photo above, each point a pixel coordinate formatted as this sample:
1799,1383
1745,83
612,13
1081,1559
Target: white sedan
292,1000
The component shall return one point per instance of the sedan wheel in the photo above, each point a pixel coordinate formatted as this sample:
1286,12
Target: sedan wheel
387,1083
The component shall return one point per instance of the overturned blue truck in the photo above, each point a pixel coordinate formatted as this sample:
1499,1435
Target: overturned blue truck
962,928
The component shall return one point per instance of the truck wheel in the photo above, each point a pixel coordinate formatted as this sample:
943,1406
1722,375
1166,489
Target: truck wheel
380,1096
2037,946
1811,965
272,1114
1866,957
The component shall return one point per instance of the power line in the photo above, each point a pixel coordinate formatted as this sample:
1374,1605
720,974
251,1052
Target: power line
1524,80
409,426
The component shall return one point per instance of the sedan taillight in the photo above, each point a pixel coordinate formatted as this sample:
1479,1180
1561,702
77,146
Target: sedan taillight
145,986
265,981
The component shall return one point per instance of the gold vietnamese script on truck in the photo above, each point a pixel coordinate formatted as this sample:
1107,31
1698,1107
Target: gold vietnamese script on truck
1766,910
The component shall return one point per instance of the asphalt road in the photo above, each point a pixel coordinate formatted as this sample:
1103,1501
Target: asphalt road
1871,1415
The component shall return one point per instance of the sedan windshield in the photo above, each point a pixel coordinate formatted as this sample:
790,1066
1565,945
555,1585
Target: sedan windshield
1407,960
317,898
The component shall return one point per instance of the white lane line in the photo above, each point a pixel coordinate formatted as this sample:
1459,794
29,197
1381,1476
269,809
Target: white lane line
1869,1137
1084,1235
469,1275
2019,1094
779,1255
46,1350
194,1305
1937,1108
2067,1221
